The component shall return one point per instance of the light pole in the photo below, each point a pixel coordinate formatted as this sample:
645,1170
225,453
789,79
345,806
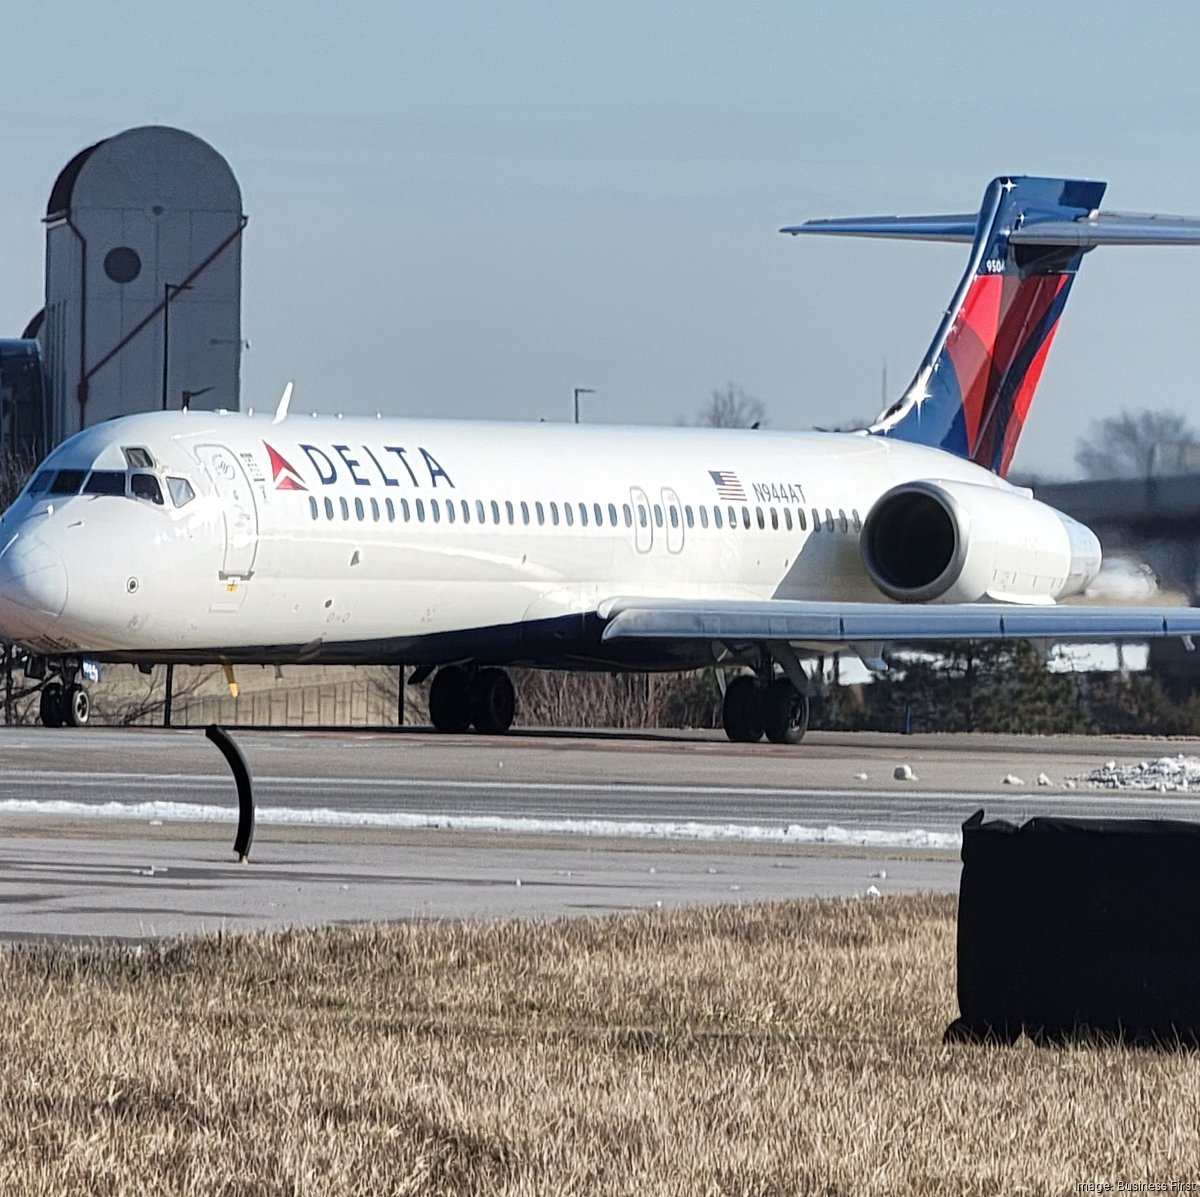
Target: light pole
581,391
169,291
240,344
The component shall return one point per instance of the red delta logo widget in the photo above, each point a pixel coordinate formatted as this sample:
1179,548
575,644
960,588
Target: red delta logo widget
283,473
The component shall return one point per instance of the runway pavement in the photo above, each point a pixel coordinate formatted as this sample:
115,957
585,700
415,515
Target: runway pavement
127,832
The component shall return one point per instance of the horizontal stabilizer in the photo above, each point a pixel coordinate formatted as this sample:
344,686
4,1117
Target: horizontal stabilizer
1110,228
1034,228
955,227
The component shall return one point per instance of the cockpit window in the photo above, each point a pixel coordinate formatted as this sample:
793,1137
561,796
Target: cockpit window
105,482
67,482
138,458
145,486
181,491
40,482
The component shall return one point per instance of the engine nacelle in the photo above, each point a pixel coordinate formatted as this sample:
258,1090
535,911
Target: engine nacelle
956,542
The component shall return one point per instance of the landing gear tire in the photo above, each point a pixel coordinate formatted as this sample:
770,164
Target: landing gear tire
76,705
51,707
493,702
785,713
742,713
450,700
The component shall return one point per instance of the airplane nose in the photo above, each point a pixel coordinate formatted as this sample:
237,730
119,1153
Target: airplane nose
33,582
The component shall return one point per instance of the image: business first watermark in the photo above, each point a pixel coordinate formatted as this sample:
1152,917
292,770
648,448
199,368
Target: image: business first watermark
1137,1186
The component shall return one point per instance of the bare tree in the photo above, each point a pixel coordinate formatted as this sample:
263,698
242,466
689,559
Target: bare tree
16,464
623,700
130,698
1135,445
731,407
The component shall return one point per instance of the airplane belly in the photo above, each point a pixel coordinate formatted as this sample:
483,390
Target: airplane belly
352,591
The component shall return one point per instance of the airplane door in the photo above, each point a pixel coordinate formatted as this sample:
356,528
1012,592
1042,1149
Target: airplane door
643,526
237,506
673,511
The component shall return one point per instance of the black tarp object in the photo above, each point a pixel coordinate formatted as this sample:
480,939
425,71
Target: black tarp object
1079,929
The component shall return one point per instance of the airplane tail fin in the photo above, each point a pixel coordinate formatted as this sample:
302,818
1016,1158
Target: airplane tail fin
975,385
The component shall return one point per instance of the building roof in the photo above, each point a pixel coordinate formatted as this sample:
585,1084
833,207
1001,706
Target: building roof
64,185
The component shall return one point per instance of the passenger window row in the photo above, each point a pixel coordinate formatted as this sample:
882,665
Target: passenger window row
146,486
598,515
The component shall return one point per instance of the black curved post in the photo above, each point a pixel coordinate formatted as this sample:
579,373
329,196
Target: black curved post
241,774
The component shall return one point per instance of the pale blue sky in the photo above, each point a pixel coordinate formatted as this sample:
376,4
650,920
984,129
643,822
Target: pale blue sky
470,209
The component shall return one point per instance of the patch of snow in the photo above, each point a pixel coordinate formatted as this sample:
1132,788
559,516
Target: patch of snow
1162,774
794,833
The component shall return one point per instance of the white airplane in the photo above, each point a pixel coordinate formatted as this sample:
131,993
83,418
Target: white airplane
464,547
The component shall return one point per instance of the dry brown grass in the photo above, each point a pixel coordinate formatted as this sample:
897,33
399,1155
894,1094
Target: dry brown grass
789,1048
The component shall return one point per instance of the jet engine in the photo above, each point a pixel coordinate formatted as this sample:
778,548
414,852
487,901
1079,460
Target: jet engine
958,542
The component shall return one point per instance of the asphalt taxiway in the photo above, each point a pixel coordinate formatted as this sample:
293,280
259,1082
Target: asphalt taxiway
128,832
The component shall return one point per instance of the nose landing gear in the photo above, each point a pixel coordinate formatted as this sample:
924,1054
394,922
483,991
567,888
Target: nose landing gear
64,702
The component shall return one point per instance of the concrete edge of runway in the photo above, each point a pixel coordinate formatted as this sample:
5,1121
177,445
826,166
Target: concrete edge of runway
128,882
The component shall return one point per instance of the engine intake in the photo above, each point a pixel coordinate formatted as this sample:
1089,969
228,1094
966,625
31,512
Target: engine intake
960,542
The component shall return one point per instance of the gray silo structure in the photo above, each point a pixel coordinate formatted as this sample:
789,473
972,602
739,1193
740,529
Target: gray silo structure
143,280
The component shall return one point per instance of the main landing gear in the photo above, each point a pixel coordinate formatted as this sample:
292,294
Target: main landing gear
754,708
465,696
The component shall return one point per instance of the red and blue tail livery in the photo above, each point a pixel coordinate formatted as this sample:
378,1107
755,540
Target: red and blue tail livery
974,388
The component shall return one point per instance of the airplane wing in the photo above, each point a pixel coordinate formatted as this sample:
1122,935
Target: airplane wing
748,620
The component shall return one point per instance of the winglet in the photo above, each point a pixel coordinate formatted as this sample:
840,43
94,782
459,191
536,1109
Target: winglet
282,410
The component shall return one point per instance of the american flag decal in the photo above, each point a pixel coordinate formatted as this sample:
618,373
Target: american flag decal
727,484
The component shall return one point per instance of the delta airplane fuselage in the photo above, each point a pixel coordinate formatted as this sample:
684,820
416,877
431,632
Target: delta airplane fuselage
465,547
196,536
